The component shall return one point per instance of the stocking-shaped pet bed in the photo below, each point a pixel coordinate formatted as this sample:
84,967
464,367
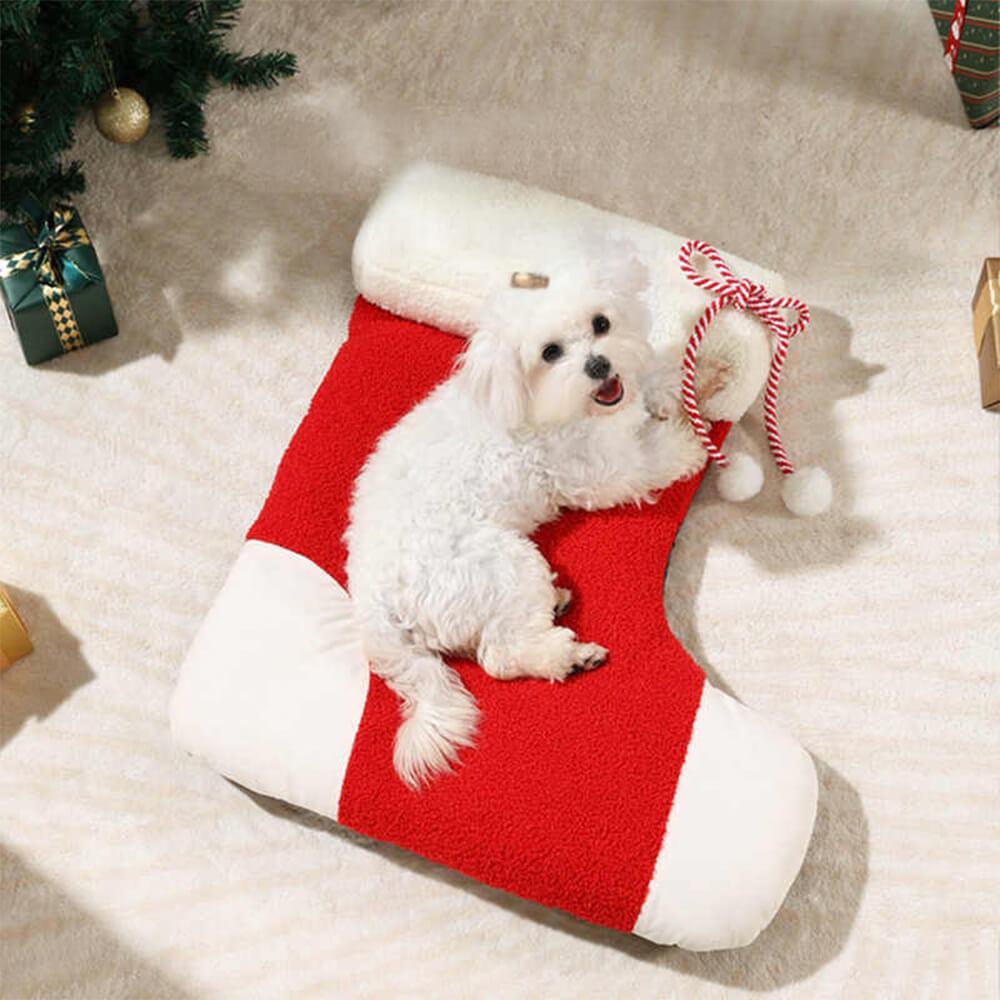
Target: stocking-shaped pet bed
636,796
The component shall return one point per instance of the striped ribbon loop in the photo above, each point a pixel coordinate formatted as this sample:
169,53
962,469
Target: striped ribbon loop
741,294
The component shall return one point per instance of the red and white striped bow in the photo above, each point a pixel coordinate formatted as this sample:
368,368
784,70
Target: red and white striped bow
806,491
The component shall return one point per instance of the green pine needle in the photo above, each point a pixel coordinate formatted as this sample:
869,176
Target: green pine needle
52,60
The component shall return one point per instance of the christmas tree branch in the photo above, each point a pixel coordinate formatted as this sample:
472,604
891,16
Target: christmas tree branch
55,64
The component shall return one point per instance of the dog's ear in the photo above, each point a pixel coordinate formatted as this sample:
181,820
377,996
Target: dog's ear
491,373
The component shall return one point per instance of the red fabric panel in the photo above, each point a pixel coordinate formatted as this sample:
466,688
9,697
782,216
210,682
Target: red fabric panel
565,798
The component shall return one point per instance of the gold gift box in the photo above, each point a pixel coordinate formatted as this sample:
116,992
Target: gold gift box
14,641
986,326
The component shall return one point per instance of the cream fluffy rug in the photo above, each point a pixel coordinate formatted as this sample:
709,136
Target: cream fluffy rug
821,139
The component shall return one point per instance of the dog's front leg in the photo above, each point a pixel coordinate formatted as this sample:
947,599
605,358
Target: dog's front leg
670,451
670,448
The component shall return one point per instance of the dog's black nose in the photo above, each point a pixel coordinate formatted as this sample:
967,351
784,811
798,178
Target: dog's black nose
598,367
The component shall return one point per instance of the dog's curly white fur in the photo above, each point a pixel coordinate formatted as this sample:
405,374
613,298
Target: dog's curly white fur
558,401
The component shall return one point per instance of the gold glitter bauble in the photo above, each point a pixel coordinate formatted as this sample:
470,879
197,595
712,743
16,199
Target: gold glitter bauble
25,115
121,115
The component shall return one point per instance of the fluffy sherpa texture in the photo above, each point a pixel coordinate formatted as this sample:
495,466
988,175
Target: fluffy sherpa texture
741,479
566,796
825,139
436,238
807,491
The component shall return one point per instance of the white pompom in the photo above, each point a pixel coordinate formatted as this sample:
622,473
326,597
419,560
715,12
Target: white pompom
807,492
741,479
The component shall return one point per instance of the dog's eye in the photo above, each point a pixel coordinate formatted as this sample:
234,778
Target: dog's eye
551,352
601,324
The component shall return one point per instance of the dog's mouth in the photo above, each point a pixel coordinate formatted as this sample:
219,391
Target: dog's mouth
610,392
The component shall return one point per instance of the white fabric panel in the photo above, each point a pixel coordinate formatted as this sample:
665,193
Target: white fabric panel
272,690
437,240
741,821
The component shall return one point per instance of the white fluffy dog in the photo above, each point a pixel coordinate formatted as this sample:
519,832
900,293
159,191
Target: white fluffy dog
558,401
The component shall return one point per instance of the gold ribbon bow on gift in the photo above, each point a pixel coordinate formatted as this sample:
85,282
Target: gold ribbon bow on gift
55,235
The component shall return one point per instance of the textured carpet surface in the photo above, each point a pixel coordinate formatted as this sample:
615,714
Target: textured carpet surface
824,140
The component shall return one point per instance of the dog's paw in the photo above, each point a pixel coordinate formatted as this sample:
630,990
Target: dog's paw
552,655
663,406
564,598
589,656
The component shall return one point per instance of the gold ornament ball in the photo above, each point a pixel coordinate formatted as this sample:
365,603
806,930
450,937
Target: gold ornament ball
25,115
121,115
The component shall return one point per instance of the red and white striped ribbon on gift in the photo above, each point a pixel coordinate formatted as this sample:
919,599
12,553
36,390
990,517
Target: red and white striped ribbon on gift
743,294
955,34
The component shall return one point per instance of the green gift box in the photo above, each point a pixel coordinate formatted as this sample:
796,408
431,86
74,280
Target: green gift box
970,32
52,283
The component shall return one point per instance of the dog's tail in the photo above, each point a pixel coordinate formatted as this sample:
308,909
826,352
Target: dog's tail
439,715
